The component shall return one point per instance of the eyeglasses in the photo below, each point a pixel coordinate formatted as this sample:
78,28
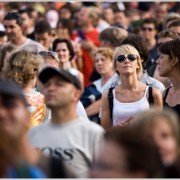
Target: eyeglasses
122,58
54,55
147,28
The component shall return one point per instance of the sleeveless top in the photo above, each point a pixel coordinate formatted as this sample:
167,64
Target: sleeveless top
122,111
176,108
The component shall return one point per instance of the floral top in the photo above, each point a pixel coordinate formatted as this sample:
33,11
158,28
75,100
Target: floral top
36,105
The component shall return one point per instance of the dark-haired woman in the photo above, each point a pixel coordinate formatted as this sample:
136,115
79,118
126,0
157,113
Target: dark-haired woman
169,66
65,51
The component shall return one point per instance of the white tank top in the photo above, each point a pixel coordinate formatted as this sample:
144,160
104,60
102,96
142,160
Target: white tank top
122,111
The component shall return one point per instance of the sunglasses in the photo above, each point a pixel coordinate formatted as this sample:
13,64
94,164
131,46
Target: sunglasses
146,28
52,54
122,58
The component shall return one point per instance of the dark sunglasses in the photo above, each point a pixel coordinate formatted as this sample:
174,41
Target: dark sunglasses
49,53
122,58
146,28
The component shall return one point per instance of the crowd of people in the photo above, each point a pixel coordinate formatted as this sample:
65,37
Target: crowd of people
90,90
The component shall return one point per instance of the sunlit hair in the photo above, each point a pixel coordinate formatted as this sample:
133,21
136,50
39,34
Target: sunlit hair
22,66
106,52
145,121
128,49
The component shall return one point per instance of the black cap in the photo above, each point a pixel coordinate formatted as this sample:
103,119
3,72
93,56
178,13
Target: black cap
49,72
10,88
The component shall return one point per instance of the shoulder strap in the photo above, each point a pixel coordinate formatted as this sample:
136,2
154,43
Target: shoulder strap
151,98
110,99
166,93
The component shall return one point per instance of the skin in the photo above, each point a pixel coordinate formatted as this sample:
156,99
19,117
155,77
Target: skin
44,38
12,29
13,120
170,68
176,29
149,35
64,56
27,23
112,163
104,67
14,32
120,18
130,90
163,135
61,97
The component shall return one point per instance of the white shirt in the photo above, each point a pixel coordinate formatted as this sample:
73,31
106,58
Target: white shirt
76,143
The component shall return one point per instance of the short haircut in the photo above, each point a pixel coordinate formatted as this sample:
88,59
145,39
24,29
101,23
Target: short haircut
68,43
94,13
106,52
27,11
171,48
167,33
128,49
150,21
171,17
42,27
113,35
174,24
8,48
22,67
140,44
12,15
141,154
66,23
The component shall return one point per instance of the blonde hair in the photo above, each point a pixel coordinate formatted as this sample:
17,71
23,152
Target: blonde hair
128,49
146,120
22,66
94,13
106,52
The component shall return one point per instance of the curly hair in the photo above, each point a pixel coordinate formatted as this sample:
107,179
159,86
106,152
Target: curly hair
22,67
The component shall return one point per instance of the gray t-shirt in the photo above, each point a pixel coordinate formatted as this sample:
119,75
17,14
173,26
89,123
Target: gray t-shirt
76,142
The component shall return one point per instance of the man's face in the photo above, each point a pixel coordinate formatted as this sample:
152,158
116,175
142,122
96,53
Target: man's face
44,38
12,29
83,17
14,117
27,21
60,93
148,31
120,19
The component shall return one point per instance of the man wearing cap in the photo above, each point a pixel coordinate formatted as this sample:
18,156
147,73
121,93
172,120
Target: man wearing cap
66,136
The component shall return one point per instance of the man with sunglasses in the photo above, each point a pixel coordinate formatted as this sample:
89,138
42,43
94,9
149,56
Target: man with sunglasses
149,29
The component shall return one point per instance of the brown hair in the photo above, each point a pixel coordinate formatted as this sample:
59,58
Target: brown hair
8,48
167,33
107,52
22,66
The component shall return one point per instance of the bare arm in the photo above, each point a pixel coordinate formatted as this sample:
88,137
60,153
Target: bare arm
105,117
93,108
158,102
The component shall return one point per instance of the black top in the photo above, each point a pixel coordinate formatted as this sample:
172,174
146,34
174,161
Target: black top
165,104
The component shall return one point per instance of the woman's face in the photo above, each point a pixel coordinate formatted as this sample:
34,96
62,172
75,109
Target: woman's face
163,136
111,162
102,64
128,63
164,65
63,52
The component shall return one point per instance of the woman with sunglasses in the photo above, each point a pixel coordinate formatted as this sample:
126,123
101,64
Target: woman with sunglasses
169,66
131,96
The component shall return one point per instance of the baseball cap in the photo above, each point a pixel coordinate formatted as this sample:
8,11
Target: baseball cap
49,72
10,88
